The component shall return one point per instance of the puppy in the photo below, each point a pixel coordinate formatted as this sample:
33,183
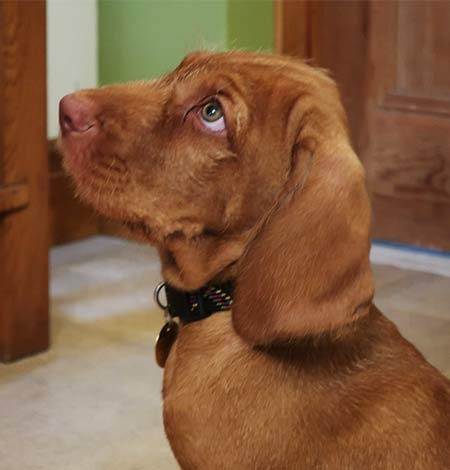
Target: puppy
238,168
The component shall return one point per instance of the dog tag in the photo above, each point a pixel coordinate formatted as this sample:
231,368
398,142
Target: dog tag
164,342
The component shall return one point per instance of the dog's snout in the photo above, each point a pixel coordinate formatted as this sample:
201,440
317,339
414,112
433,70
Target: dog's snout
76,114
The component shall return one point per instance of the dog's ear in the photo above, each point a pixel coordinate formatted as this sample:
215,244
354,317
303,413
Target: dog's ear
308,269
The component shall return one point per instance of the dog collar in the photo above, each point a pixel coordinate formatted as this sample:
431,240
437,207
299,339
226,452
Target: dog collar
195,305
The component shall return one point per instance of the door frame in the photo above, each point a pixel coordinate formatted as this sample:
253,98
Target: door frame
24,227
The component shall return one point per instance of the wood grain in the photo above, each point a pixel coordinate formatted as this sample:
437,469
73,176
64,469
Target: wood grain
24,240
416,104
323,33
423,49
339,44
409,148
13,197
390,60
412,160
404,220
292,34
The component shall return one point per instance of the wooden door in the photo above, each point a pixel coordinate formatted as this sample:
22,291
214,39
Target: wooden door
392,63
23,180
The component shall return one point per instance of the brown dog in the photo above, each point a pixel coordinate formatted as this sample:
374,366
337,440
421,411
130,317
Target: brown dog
238,166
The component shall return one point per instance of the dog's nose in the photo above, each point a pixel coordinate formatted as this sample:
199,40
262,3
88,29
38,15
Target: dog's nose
76,114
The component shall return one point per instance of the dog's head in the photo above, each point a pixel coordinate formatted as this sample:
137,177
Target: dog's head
235,165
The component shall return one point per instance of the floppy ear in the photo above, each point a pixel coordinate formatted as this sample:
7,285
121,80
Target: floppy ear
308,269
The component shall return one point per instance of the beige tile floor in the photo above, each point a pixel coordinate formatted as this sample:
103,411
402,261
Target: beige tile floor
93,401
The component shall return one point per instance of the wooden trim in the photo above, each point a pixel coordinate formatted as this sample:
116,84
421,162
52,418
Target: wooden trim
278,29
324,32
24,318
396,220
292,27
416,104
13,197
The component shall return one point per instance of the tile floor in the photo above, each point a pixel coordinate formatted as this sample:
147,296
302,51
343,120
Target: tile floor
93,401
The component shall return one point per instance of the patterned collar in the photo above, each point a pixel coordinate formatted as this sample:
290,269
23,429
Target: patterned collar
196,305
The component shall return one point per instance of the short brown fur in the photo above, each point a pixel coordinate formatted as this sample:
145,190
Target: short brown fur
305,373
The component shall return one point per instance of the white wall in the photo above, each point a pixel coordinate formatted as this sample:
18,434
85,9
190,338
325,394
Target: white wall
71,52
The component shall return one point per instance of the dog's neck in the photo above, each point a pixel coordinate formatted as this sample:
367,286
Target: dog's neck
199,274
190,264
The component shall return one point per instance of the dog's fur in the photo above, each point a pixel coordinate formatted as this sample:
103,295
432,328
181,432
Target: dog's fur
305,373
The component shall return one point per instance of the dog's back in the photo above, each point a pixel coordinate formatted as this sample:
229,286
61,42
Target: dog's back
369,401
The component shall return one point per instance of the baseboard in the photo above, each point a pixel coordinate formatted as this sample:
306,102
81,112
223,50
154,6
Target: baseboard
408,257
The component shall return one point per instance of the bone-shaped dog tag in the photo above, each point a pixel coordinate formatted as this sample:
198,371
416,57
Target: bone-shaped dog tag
164,342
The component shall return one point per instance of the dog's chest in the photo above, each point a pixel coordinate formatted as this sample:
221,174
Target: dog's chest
224,402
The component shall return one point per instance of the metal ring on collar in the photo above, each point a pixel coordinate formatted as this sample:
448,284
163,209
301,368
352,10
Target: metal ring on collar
156,294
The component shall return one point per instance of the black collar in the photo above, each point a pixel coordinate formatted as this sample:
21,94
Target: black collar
198,304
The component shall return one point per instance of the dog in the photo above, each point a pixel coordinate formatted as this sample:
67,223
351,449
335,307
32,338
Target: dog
238,167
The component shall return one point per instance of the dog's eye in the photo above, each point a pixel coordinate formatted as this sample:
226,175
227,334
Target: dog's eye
212,111
211,115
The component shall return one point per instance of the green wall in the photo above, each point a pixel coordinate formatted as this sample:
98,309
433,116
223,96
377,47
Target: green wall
251,25
146,38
